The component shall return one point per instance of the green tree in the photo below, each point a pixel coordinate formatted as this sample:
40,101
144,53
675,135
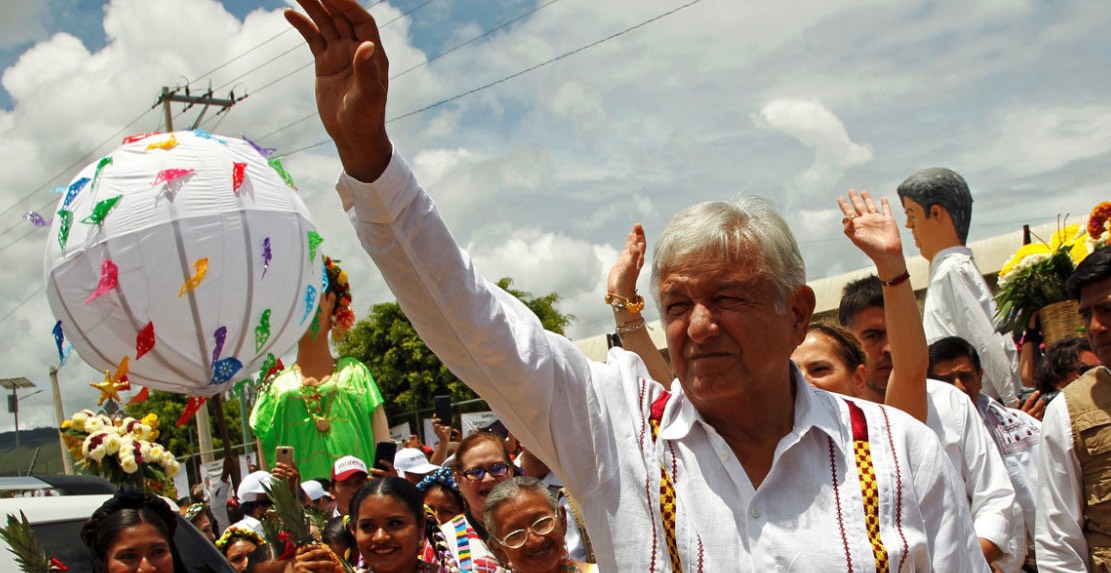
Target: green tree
408,374
182,441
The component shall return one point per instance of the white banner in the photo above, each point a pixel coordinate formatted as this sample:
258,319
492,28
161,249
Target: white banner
400,432
473,421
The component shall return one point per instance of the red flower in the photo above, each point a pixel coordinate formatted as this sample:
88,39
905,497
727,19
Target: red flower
56,565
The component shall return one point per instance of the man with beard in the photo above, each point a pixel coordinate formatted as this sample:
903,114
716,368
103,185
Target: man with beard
951,416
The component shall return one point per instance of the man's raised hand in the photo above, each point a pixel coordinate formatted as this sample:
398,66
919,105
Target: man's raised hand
352,80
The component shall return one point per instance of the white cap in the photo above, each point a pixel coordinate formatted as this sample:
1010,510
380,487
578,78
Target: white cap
346,467
412,461
313,489
251,488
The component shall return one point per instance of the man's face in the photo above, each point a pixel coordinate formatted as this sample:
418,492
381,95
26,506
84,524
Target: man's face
923,227
343,491
870,328
1095,310
961,373
726,338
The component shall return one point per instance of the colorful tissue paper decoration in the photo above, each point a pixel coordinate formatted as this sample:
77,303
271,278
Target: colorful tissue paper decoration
144,341
58,189
149,237
191,407
324,277
59,338
267,255
262,331
266,152
104,162
121,374
101,211
238,171
140,397
276,163
109,279
310,300
36,219
314,328
206,135
314,241
140,136
220,335
65,221
224,370
201,268
73,190
166,144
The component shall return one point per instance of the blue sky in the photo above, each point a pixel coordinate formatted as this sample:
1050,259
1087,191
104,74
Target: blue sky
541,176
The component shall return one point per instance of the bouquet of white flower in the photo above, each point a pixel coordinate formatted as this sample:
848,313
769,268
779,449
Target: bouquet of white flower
122,450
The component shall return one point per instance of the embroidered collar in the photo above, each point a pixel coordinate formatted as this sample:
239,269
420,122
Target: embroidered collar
814,409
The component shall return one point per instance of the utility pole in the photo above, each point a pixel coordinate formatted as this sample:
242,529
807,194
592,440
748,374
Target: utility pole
207,100
59,417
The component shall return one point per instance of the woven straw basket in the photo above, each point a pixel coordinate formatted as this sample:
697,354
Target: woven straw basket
1061,320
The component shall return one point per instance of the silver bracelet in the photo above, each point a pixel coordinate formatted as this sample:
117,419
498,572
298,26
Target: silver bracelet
627,328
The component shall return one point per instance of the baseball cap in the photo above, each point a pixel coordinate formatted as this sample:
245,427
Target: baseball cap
348,466
412,461
252,486
313,489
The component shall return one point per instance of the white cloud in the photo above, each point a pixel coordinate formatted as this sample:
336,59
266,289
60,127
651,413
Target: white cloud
819,129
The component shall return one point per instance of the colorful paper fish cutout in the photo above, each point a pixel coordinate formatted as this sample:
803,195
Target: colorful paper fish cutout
166,144
314,241
59,338
65,357
262,331
276,163
324,282
224,370
140,397
140,136
36,219
58,189
266,152
310,300
201,268
144,342
63,227
121,374
191,407
100,165
73,190
171,175
220,335
109,279
206,135
238,172
267,255
101,210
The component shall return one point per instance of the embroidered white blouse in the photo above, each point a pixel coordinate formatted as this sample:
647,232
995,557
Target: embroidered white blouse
589,422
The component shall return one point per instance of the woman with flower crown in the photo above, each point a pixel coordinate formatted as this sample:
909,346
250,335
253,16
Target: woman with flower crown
324,408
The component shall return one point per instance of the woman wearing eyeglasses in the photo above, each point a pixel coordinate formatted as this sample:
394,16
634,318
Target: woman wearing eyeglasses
481,462
527,528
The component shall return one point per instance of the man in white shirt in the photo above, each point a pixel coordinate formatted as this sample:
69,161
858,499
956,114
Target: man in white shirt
1015,433
1072,531
741,466
951,415
958,302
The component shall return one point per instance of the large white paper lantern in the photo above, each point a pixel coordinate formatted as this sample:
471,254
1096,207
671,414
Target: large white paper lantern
210,248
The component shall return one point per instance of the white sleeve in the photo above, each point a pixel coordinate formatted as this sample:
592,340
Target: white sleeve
538,383
1058,526
989,484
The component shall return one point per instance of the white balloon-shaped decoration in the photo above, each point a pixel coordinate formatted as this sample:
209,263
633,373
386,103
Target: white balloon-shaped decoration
194,239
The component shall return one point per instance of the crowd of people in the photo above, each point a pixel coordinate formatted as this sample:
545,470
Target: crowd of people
889,439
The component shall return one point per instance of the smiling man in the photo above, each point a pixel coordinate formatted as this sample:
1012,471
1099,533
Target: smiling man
729,470
938,205
1073,527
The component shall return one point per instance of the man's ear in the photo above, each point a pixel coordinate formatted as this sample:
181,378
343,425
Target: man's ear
801,306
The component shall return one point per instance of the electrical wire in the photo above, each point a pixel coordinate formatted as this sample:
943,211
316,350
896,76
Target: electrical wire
21,304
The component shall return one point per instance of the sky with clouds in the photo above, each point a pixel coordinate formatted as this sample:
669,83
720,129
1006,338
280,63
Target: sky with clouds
541,175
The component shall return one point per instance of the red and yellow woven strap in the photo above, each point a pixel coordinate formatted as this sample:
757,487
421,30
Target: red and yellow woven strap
668,500
869,491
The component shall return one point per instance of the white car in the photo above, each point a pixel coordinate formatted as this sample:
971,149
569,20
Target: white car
57,507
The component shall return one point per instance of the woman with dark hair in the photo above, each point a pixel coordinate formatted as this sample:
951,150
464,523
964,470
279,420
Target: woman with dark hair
481,462
133,531
441,495
201,516
237,544
390,526
337,536
1064,362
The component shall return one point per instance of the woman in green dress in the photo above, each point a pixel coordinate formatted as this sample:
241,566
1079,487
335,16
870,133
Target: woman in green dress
324,408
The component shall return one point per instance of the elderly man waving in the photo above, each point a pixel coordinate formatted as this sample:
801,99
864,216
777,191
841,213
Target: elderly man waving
741,466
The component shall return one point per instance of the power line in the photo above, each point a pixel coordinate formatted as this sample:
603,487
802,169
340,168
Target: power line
511,76
20,305
407,70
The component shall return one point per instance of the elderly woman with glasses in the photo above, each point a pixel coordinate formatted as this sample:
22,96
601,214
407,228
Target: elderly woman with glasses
527,528
481,462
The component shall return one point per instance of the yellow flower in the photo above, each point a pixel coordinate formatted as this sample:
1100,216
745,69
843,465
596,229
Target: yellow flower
67,424
1072,238
342,278
1023,252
